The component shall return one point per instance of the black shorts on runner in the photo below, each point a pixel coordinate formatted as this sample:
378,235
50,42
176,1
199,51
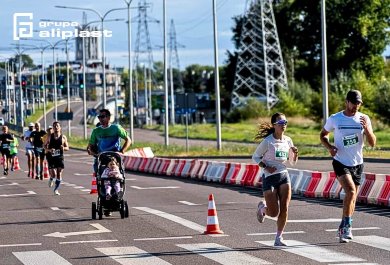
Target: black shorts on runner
6,153
355,171
55,162
39,152
275,181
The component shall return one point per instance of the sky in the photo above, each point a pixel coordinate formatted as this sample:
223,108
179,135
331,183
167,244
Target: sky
193,22
192,18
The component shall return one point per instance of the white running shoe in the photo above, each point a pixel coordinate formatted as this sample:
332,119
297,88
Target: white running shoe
344,234
261,212
51,182
279,242
56,192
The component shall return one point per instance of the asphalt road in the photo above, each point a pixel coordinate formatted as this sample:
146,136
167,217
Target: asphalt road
166,224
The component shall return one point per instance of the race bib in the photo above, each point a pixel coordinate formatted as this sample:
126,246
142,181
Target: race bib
56,152
350,140
281,155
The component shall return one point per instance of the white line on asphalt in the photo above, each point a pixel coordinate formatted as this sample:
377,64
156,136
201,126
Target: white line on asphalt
327,220
11,184
173,218
130,179
40,257
55,208
161,238
70,185
222,255
356,264
29,192
88,241
132,256
20,245
79,187
89,190
373,241
3,177
82,174
284,233
313,252
189,203
355,229
154,188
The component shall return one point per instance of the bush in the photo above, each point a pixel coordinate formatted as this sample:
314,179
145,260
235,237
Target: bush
252,109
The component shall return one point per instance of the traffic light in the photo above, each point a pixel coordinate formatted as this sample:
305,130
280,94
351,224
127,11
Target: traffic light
81,81
41,86
24,82
62,81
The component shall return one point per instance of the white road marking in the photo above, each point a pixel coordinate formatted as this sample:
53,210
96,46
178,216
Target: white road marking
70,184
79,187
327,220
132,256
82,174
222,254
355,229
130,179
162,238
373,241
55,208
189,203
3,177
29,192
154,188
11,184
173,218
89,190
87,241
313,252
21,245
100,229
356,264
274,233
40,257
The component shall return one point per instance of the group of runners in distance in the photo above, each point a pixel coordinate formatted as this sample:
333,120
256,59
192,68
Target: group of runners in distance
350,128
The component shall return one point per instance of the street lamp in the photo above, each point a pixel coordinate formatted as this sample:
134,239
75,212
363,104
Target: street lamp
101,17
325,108
131,103
216,79
166,128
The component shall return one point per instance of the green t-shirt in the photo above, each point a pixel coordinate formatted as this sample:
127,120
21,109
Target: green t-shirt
108,139
14,146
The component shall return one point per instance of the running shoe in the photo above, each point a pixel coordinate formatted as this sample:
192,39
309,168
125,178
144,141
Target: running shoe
344,234
279,242
348,232
56,192
12,169
261,212
51,182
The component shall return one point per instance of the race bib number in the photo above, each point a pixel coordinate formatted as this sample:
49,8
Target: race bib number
350,140
56,152
281,155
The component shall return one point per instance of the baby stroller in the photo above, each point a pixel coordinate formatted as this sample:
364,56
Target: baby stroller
116,203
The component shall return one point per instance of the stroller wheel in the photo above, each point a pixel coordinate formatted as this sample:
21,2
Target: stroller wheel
122,210
94,210
126,210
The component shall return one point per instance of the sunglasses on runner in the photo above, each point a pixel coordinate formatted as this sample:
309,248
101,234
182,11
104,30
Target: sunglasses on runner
281,122
102,116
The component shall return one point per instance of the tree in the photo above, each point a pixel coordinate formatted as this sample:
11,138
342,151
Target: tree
356,36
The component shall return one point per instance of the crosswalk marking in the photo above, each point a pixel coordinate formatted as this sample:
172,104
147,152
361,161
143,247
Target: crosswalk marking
40,257
274,233
174,218
373,241
355,229
222,254
313,252
131,256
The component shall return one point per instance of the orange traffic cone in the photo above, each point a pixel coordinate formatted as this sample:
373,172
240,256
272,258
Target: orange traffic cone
45,170
16,163
94,188
212,218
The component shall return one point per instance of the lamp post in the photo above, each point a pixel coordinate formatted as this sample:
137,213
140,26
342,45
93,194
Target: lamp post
101,17
131,103
325,108
216,79
166,127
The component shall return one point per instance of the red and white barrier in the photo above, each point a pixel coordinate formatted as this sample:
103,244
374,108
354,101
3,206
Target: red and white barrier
296,178
329,183
376,189
187,168
384,196
366,187
250,175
